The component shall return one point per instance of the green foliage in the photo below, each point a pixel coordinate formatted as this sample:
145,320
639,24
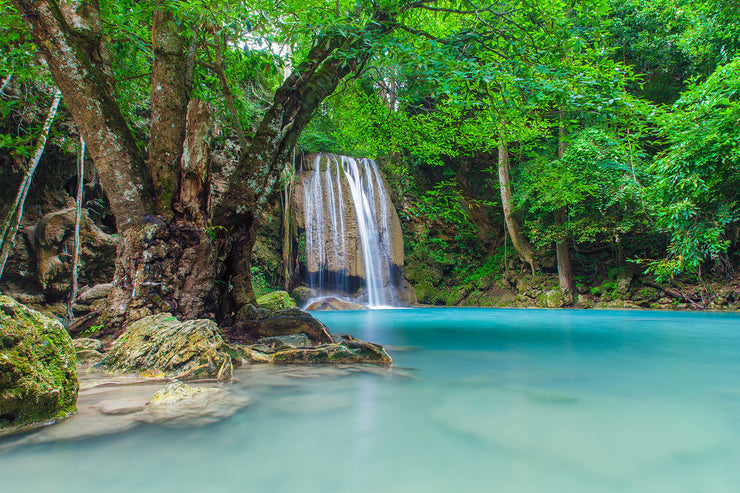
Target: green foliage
697,179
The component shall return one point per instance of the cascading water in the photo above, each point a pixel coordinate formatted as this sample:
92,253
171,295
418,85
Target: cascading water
351,230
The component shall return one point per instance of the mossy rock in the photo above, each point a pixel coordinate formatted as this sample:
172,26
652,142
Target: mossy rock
277,300
38,367
553,298
163,346
349,351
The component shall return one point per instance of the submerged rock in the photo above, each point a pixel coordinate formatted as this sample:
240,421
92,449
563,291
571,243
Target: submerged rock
160,344
180,405
38,375
277,300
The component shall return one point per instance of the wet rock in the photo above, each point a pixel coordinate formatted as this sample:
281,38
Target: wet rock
407,294
296,340
38,375
284,322
161,344
119,407
333,304
348,351
277,300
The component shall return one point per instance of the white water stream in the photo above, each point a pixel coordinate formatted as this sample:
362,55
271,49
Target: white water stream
325,214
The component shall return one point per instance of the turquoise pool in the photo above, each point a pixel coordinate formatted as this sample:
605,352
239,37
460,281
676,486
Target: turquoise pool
479,400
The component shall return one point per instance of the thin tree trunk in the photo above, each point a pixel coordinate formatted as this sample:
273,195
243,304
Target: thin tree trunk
78,219
521,245
565,269
15,214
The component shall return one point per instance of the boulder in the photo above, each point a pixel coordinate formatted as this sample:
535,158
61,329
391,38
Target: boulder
333,304
97,292
553,298
348,351
52,241
86,344
181,405
302,294
277,300
38,375
624,281
162,345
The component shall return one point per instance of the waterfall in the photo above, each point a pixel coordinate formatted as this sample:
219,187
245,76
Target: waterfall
351,230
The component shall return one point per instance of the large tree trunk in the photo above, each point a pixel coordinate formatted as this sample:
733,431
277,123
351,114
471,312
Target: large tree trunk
170,265
521,245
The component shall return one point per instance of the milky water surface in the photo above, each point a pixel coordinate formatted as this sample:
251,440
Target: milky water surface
479,400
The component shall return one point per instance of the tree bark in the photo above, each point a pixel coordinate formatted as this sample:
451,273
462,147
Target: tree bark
169,96
69,38
521,245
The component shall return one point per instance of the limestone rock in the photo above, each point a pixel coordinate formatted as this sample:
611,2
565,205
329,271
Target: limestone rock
624,281
86,344
553,298
302,294
277,300
251,312
38,375
295,340
333,304
89,357
284,322
97,292
160,343
52,239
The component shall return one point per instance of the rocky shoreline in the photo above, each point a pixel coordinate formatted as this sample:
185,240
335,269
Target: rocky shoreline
36,352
